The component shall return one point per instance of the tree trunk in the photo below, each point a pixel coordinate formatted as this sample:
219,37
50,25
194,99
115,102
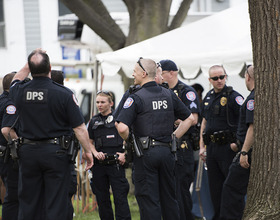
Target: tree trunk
263,199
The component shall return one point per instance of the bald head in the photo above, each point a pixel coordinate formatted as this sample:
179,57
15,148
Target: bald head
39,63
250,71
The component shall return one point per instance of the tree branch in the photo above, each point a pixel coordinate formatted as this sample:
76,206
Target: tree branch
91,12
181,14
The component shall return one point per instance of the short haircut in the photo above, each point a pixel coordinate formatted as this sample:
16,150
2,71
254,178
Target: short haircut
7,80
39,65
215,67
57,76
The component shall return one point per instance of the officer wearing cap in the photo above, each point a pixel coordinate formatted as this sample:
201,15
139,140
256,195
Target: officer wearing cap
8,167
108,169
235,185
150,113
189,141
47,112
220,114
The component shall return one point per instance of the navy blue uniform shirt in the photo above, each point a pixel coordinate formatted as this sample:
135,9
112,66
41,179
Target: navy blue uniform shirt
189,97
221,110
134,107
47,109
246,116
8,114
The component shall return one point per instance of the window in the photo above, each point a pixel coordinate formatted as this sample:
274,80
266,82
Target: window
2,25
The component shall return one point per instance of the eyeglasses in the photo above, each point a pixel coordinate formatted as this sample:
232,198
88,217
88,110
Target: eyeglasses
215,78
104,92
141,65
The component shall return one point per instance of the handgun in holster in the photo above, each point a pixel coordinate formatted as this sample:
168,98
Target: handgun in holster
73,149
174,145
12,149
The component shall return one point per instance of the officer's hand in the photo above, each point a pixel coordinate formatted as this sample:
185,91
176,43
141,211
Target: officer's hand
177,122
202,153
99,155
234,147
88,158
244,161
121,158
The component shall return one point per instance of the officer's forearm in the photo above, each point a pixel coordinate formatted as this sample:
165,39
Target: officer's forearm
23,73
6,130
202,128
184,126
123,130
82,135
249,139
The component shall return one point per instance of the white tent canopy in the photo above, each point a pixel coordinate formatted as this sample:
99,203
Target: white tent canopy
223,38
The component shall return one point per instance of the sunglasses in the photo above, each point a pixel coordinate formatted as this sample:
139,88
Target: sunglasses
105,93
215,78
141,65
158,65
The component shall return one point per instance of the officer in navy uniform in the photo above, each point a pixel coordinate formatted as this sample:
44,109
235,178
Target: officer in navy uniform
190,140
58,77
220,112
9,169
151,112
47,112
109,158
235,185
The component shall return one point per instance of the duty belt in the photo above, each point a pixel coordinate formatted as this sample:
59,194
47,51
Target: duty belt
159,143
222,137
47,141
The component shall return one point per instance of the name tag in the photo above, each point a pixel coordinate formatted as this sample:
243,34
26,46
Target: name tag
110,136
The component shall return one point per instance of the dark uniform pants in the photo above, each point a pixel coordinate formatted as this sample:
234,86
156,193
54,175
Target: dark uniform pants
219,159
234,192
10,180
43,182
102,177
72,190
155,184
184,179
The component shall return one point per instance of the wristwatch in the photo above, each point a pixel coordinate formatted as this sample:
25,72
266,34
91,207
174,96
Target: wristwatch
244,153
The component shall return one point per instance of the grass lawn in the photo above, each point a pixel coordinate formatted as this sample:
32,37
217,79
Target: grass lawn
93,215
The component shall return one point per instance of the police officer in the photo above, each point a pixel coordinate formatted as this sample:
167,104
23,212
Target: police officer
108,169
185,162
46,111
58,77
9,168
220,112
235,185
150,113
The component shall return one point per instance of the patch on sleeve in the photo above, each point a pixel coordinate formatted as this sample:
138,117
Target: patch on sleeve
251,105
191,96
193,105
11,109
75,99
128,102
239,100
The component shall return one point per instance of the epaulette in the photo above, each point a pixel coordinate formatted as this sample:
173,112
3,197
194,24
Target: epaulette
228,91
134,88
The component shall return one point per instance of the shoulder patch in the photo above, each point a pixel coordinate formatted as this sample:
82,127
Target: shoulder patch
75,99
11,109
239,100
251,105
128,102
191,96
